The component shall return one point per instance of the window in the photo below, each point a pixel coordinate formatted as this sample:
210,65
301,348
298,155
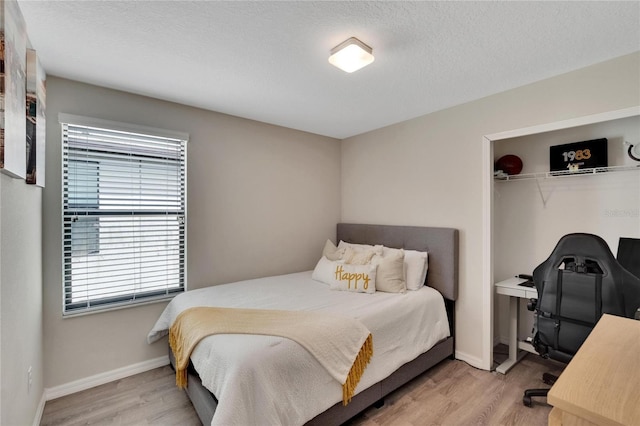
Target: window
124,214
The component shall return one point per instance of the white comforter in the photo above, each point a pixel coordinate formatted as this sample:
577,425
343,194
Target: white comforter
264,380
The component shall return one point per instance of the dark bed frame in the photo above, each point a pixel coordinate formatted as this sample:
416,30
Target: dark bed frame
442,246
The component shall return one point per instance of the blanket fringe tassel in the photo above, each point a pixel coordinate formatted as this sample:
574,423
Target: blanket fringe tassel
176,348
357,369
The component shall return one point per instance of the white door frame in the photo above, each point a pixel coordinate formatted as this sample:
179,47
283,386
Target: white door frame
487,208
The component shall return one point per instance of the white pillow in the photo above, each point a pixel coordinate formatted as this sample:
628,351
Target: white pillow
416,264
323,271
360,247
341,276
331,252
415,267
390,272
357,257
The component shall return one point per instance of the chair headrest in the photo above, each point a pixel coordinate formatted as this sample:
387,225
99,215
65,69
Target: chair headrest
579,252
584,246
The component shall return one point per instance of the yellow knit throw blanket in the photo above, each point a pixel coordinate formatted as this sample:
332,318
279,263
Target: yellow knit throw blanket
342,345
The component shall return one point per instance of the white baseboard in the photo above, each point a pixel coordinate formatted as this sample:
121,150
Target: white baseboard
102,378
470,359
38,418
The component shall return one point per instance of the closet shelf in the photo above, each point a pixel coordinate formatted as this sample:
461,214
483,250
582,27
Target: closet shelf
566,173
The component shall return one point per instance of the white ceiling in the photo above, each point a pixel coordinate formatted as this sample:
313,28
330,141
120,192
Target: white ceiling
267,61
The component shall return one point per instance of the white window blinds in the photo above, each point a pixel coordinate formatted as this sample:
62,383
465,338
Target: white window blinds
124,214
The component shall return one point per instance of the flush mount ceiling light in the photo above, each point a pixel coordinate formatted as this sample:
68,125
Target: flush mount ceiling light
351,55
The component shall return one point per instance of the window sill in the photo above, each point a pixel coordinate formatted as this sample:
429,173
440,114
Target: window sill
120,306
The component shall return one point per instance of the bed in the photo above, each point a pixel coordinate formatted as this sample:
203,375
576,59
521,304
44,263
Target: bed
317,394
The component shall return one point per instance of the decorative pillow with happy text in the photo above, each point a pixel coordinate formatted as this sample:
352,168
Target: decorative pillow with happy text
356,278
345,277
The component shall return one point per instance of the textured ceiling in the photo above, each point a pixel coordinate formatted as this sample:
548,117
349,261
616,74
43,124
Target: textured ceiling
267,61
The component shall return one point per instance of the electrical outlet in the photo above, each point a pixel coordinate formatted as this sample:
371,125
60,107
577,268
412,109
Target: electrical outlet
29,379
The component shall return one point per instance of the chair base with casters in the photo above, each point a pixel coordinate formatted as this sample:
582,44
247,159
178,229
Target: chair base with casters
548,379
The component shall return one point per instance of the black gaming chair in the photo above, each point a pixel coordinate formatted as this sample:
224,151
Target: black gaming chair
579,282
629,254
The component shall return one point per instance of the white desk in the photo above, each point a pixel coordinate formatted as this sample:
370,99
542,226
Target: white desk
511,288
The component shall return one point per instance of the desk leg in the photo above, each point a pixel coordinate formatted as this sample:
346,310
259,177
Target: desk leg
555,417
514,357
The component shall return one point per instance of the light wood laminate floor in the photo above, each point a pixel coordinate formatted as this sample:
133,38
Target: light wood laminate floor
452,393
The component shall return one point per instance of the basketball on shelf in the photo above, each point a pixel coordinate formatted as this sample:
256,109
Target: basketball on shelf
510,164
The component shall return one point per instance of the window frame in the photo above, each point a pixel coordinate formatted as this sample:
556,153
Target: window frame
133,298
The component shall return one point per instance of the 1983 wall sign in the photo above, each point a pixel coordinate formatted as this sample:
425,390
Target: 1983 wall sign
578,155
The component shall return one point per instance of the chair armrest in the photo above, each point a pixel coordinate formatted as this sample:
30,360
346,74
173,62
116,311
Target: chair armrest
531,305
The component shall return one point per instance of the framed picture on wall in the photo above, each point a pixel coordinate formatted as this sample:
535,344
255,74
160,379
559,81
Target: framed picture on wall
35,120
13,135
2,90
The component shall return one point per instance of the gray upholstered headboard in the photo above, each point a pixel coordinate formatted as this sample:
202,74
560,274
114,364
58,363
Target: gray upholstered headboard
440,243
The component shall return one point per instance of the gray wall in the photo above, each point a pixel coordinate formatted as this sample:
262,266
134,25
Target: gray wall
262,200
428,171
20,300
